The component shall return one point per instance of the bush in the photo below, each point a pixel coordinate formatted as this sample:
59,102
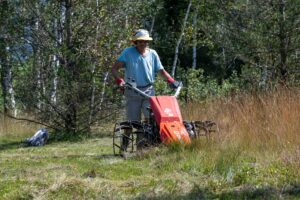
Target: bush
198,87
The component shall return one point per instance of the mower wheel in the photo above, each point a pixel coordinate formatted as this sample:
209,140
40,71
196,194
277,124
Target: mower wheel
125,137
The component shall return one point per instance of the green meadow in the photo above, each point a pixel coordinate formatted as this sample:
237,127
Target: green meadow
255,155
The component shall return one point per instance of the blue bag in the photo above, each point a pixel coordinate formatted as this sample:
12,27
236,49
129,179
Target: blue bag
39,139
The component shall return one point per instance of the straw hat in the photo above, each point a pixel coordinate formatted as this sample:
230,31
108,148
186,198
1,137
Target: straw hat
141,34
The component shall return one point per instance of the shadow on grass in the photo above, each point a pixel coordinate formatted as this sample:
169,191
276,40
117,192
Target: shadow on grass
11,145
246,192
7,145
68,137
16,145
100,157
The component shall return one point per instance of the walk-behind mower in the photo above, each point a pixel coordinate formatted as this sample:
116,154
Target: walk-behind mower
165,125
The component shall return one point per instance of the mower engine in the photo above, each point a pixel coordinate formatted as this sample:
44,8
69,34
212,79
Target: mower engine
167,115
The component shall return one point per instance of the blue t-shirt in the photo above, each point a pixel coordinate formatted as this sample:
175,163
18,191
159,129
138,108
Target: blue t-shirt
142,69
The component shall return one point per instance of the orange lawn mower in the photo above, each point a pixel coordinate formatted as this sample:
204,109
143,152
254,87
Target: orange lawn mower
164,126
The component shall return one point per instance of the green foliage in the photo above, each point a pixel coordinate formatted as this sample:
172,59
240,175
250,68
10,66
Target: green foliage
199,87
242,45
64,79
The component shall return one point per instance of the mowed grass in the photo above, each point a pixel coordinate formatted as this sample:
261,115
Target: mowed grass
255,155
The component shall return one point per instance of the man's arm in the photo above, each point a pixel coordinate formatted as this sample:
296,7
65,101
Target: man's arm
167,76
115,72
172,83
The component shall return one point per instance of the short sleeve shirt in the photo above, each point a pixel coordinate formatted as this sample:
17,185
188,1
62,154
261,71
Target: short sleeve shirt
141,69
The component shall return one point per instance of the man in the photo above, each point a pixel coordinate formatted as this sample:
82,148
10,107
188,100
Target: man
141,64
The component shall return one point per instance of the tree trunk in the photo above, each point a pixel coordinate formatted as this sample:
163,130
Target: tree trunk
195,41
9,102
93,86
72,74
180,38
103,88
4,72
283,39
11,91
152,24
92,101
37,64
56,62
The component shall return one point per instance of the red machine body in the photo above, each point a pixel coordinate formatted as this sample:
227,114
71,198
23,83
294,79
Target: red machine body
167,115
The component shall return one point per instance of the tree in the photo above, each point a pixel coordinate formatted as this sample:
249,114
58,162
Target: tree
260,34
180,38
71,46
6,38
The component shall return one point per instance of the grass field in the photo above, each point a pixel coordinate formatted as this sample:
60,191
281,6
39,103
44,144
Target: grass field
256,155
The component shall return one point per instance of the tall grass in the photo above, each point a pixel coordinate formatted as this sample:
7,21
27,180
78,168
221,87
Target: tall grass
14,128
258,141
260,129
269,120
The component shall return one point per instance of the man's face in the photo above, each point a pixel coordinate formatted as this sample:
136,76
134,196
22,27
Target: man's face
142,44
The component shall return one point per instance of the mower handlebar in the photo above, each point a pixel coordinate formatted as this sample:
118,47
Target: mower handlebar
132,86
178,89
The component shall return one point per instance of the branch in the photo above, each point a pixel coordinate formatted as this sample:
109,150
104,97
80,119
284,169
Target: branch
32,121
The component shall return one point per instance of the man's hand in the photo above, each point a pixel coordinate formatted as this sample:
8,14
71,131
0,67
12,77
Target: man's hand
120,82
174,85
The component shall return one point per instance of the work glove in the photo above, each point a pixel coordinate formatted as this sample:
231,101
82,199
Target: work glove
121,84
172,83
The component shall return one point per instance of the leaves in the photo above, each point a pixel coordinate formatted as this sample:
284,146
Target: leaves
61,52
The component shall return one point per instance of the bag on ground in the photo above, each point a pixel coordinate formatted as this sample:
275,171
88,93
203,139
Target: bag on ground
39,138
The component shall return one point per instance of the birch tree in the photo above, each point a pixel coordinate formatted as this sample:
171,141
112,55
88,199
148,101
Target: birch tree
195,31
178,42
6,38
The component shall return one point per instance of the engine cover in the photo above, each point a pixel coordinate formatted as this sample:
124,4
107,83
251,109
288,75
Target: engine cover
167,115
